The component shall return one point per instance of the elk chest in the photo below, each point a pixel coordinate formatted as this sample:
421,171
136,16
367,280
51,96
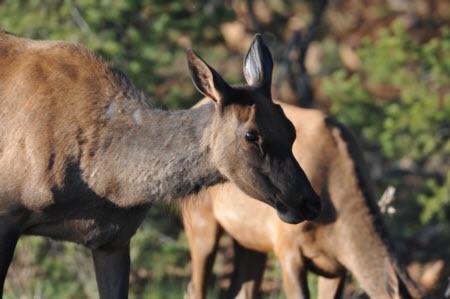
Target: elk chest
86,218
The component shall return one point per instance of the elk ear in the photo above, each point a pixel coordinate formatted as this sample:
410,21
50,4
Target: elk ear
258,65
206,79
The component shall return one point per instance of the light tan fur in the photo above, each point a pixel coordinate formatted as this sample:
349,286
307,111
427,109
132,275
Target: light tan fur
348,236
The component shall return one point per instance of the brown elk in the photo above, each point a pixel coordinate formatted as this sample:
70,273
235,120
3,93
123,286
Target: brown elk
83,155
349,235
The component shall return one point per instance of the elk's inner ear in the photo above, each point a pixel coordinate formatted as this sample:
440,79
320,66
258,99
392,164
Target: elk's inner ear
258,65
207,80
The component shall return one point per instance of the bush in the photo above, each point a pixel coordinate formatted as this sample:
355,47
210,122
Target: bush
400,102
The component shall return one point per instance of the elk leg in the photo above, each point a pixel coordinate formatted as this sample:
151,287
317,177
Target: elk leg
248,272
294,274
112,271
203,234
8,240
331,288
202,264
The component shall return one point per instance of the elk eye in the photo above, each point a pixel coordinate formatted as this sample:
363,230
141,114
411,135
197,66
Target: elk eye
251,136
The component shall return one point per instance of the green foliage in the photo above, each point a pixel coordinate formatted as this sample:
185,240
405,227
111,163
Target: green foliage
47,262
353,103
400,102
146,39
416,119
439,196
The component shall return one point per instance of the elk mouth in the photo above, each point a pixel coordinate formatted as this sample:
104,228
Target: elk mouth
308,210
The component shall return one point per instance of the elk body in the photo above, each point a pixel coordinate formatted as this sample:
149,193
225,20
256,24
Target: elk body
348,236
83,155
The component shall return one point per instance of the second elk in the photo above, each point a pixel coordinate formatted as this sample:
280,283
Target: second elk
349,236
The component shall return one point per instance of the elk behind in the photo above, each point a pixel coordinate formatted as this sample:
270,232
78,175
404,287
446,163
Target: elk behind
83,155
348,236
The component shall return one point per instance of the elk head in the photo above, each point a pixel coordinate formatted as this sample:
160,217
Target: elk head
251,138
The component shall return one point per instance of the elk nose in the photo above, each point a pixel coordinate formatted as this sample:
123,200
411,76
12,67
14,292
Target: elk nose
312,206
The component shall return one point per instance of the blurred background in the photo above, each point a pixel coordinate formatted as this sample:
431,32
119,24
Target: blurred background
382,67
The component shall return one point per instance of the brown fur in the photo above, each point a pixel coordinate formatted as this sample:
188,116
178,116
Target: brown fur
83,155
348,236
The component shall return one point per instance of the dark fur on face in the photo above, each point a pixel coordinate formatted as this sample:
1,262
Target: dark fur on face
264,167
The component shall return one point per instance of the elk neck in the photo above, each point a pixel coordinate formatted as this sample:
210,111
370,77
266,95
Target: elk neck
369,251
148,155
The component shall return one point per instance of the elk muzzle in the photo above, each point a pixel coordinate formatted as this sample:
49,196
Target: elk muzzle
297,200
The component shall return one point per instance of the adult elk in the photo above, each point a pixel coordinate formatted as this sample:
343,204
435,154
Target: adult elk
349,235
83,155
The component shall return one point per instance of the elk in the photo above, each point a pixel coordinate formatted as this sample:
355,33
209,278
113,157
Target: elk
83,156
349,235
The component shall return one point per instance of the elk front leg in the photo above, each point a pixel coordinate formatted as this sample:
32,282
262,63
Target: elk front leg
203,234
8,240
248,273
294,274
331,288
112,271
202,264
